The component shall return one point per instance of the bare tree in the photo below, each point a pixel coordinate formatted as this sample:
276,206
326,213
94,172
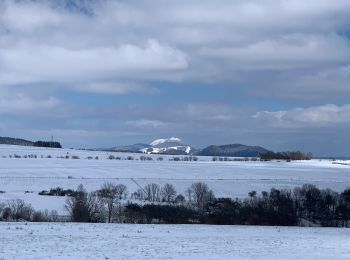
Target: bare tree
20,210
201,194
45,216
138,195
152,192
189,194
168,193
122,191
109,195
95,207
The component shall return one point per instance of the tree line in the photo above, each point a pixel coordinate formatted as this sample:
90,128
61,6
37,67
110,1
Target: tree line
48,144
23,142
289,156
303,206
306,205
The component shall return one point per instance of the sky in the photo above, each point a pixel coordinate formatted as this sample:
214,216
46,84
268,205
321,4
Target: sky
273,73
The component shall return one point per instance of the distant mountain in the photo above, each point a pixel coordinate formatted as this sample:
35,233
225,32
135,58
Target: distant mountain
15,141
134,148
233,150
173,146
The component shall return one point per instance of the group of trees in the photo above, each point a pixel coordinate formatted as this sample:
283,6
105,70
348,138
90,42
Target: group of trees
306,205
99,206
198,194
289,156
159,213
154,193
18,210
236,159
104,205
49,144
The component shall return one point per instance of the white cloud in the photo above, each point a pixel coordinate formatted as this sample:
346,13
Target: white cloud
19,104
144,123
318,116
24,17
331,81
170,41
287,52
35,63
209,112
116,88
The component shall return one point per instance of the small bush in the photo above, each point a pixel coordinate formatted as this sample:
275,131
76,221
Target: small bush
58,192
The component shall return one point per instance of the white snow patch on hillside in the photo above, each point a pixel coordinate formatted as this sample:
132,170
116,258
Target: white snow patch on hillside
162,141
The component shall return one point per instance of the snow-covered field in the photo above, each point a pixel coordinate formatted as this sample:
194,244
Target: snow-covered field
232,179
109,241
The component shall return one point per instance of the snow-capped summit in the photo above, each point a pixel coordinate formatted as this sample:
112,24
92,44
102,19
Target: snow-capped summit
172,145
168,140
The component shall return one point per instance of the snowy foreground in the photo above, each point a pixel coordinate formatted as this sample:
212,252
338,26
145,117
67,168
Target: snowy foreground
109,241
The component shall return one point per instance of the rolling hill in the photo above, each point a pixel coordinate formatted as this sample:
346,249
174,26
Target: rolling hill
232,150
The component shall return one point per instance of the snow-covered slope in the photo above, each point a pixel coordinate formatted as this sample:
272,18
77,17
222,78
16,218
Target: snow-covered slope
164,141
171,145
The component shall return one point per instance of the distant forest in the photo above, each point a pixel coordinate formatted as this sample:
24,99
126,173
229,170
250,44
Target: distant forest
23,142
47,144
15,141
289,156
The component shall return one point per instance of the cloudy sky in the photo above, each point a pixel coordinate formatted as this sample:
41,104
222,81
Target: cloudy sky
102,73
